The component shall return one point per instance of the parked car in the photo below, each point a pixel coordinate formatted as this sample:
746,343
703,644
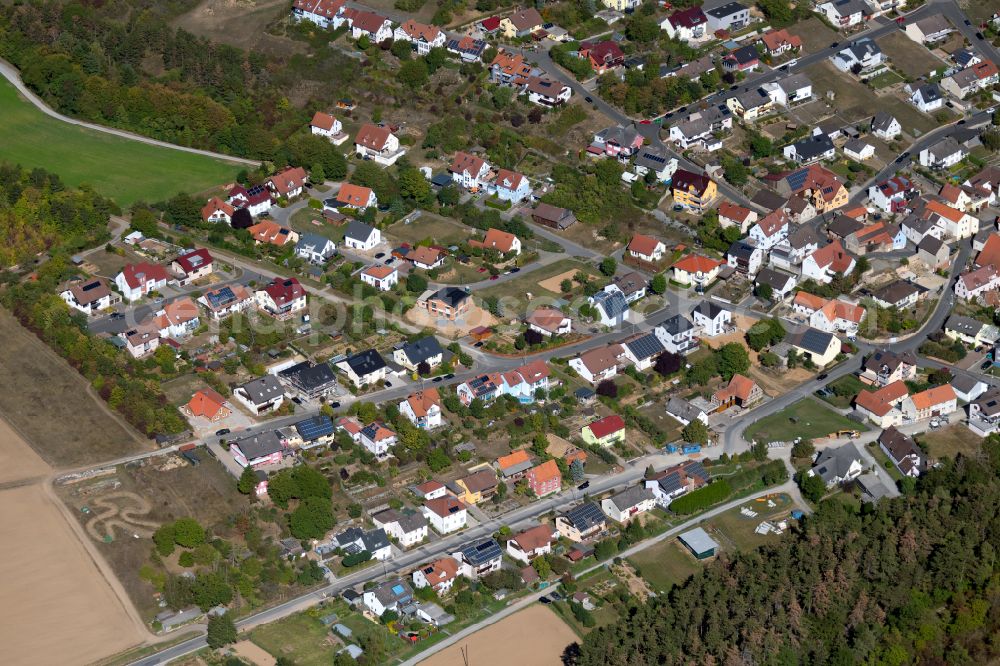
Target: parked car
117,315
583,486
334,405
222,431
450,375
822,376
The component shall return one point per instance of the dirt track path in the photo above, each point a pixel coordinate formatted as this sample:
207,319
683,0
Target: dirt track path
114,516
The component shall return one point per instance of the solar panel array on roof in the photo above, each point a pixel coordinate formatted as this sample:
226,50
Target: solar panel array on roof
797,179
585,516
313,428
481,551
646,346
220,298
815,340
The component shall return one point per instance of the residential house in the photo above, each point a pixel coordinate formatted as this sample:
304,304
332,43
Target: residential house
885,126
629,503
140,342
531,543
376,27
484,387
503,242
469,171
881,236
328,126
479,558
514,465
893,194
743,59
192,266
308,380
596,365
467,48
622,6
933,28
958,197
549,322
751,104
137,280
732,215
364,368
207,404
642,349
631,285
917,227
778,42
616,141
377,143
897,294
844,13
975,284
826,262
315,249
407,527
475,487
741,392
838,465
968,387
429,490
604,431
603,56
355,540
677,335
858,56
966,57
544,479
881,406
970,331
859,149
688,25
696,270
809,150
817,184
730,17
820,346
902,451
790,90
256,199
933,253
449,303
611,306
392,595
281,298
711,318
271,233
88,296
943,154
423,408
422,350
264,448
657,161
361,236
646,248
935,401
669,484
984,413
971,80
927,98
791,252
685,412
383,278
781,283
439,574
770,230
545,92
262,395
521,23
217,210
356,196
581,522
423,37
882,368
224,301
956,224
177,319
288,183
323,13
378,439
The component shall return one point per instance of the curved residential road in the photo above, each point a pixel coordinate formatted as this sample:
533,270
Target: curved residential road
11,73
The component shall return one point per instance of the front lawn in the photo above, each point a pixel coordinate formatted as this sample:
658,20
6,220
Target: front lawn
807,418
844,390
665,564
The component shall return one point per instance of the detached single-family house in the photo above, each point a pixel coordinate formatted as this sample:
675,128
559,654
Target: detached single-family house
898,294
467,48
696,270
422,350
893,194
642,349
138,280
975,284
192,266
885,126
377,143
544,479
677,335
217,210
502,241
611,306
655,160
596,365
324,13
141,341
290,182
581,522
446,514
741,392
781,283
671,483
469,171
859,149
315,249
685,412
616,141
809,150
449,303
328,126
886,367
262,395
603,56
281,298
646,248
475,487
378,439
423,408
549,322
629,503
264,448
970,331
308,380
408,527
256,199
820,346
88,296
423,37
935,401
711,318
943,154
383,278
838,465
207,404
364,368
376,27
694,192
604,431
790,90
521,23
826,262
732,215
479,558
177,319
933,253
730,17
543,91
902,451
224,301
439,574
743,59
530,543
928,30
777,42
392,595
844,13
361,236
927,98
771,230
514,465
687,25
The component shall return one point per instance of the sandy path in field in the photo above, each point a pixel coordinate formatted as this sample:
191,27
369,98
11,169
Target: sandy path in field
58,608
532,637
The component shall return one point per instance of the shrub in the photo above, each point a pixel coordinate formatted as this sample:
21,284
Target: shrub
696,500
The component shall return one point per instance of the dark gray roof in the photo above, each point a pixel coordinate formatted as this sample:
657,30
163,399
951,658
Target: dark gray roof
881,121
631,497
964,383
683,409
989,402
375,539
896,291
452,296
843,226
422,349
929,92
611,302
312,242
646,346
768,199
677,324
803,236
672,480
260,445
358,230
741,250
653,158
708,309
745,54
775,278
392,592
930,244
725,10
812,340
365,363
836,463
962,324
262,389
307,376
813,146
314,427
585,516
481,552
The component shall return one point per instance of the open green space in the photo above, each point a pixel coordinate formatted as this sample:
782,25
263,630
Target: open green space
807,418
665,564
913,59
844,389
530,282
950,441
299,637
125,170
884,80
428,226
733,529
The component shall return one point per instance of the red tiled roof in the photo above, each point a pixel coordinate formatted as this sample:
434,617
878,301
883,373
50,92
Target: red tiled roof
933,396
466,162
206,403
419,31
498,240
990,254
774,39
372,137
547,319
545,472
833,256
288,180
138,274
513,459
325,8
215,204
194,260
731,211
445,506
534,538
695,263
642,244
880,402
357,196
323,121
379,272
601,428
284,290
740,387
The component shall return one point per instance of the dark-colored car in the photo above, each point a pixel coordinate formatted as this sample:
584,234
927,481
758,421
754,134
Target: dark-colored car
515,270
834,45
583,486
380,255
387,384
297,400
117,315
334,405
979,35
222,431
478,344
822,376
545,600
450,375
437,379
588,100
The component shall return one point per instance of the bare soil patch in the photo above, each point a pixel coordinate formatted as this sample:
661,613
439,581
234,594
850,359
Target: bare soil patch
552,283
540,635
476,316
240,23
254,654
52,407
18,462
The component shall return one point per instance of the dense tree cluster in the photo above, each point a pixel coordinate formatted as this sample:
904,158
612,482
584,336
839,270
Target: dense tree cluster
911,580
